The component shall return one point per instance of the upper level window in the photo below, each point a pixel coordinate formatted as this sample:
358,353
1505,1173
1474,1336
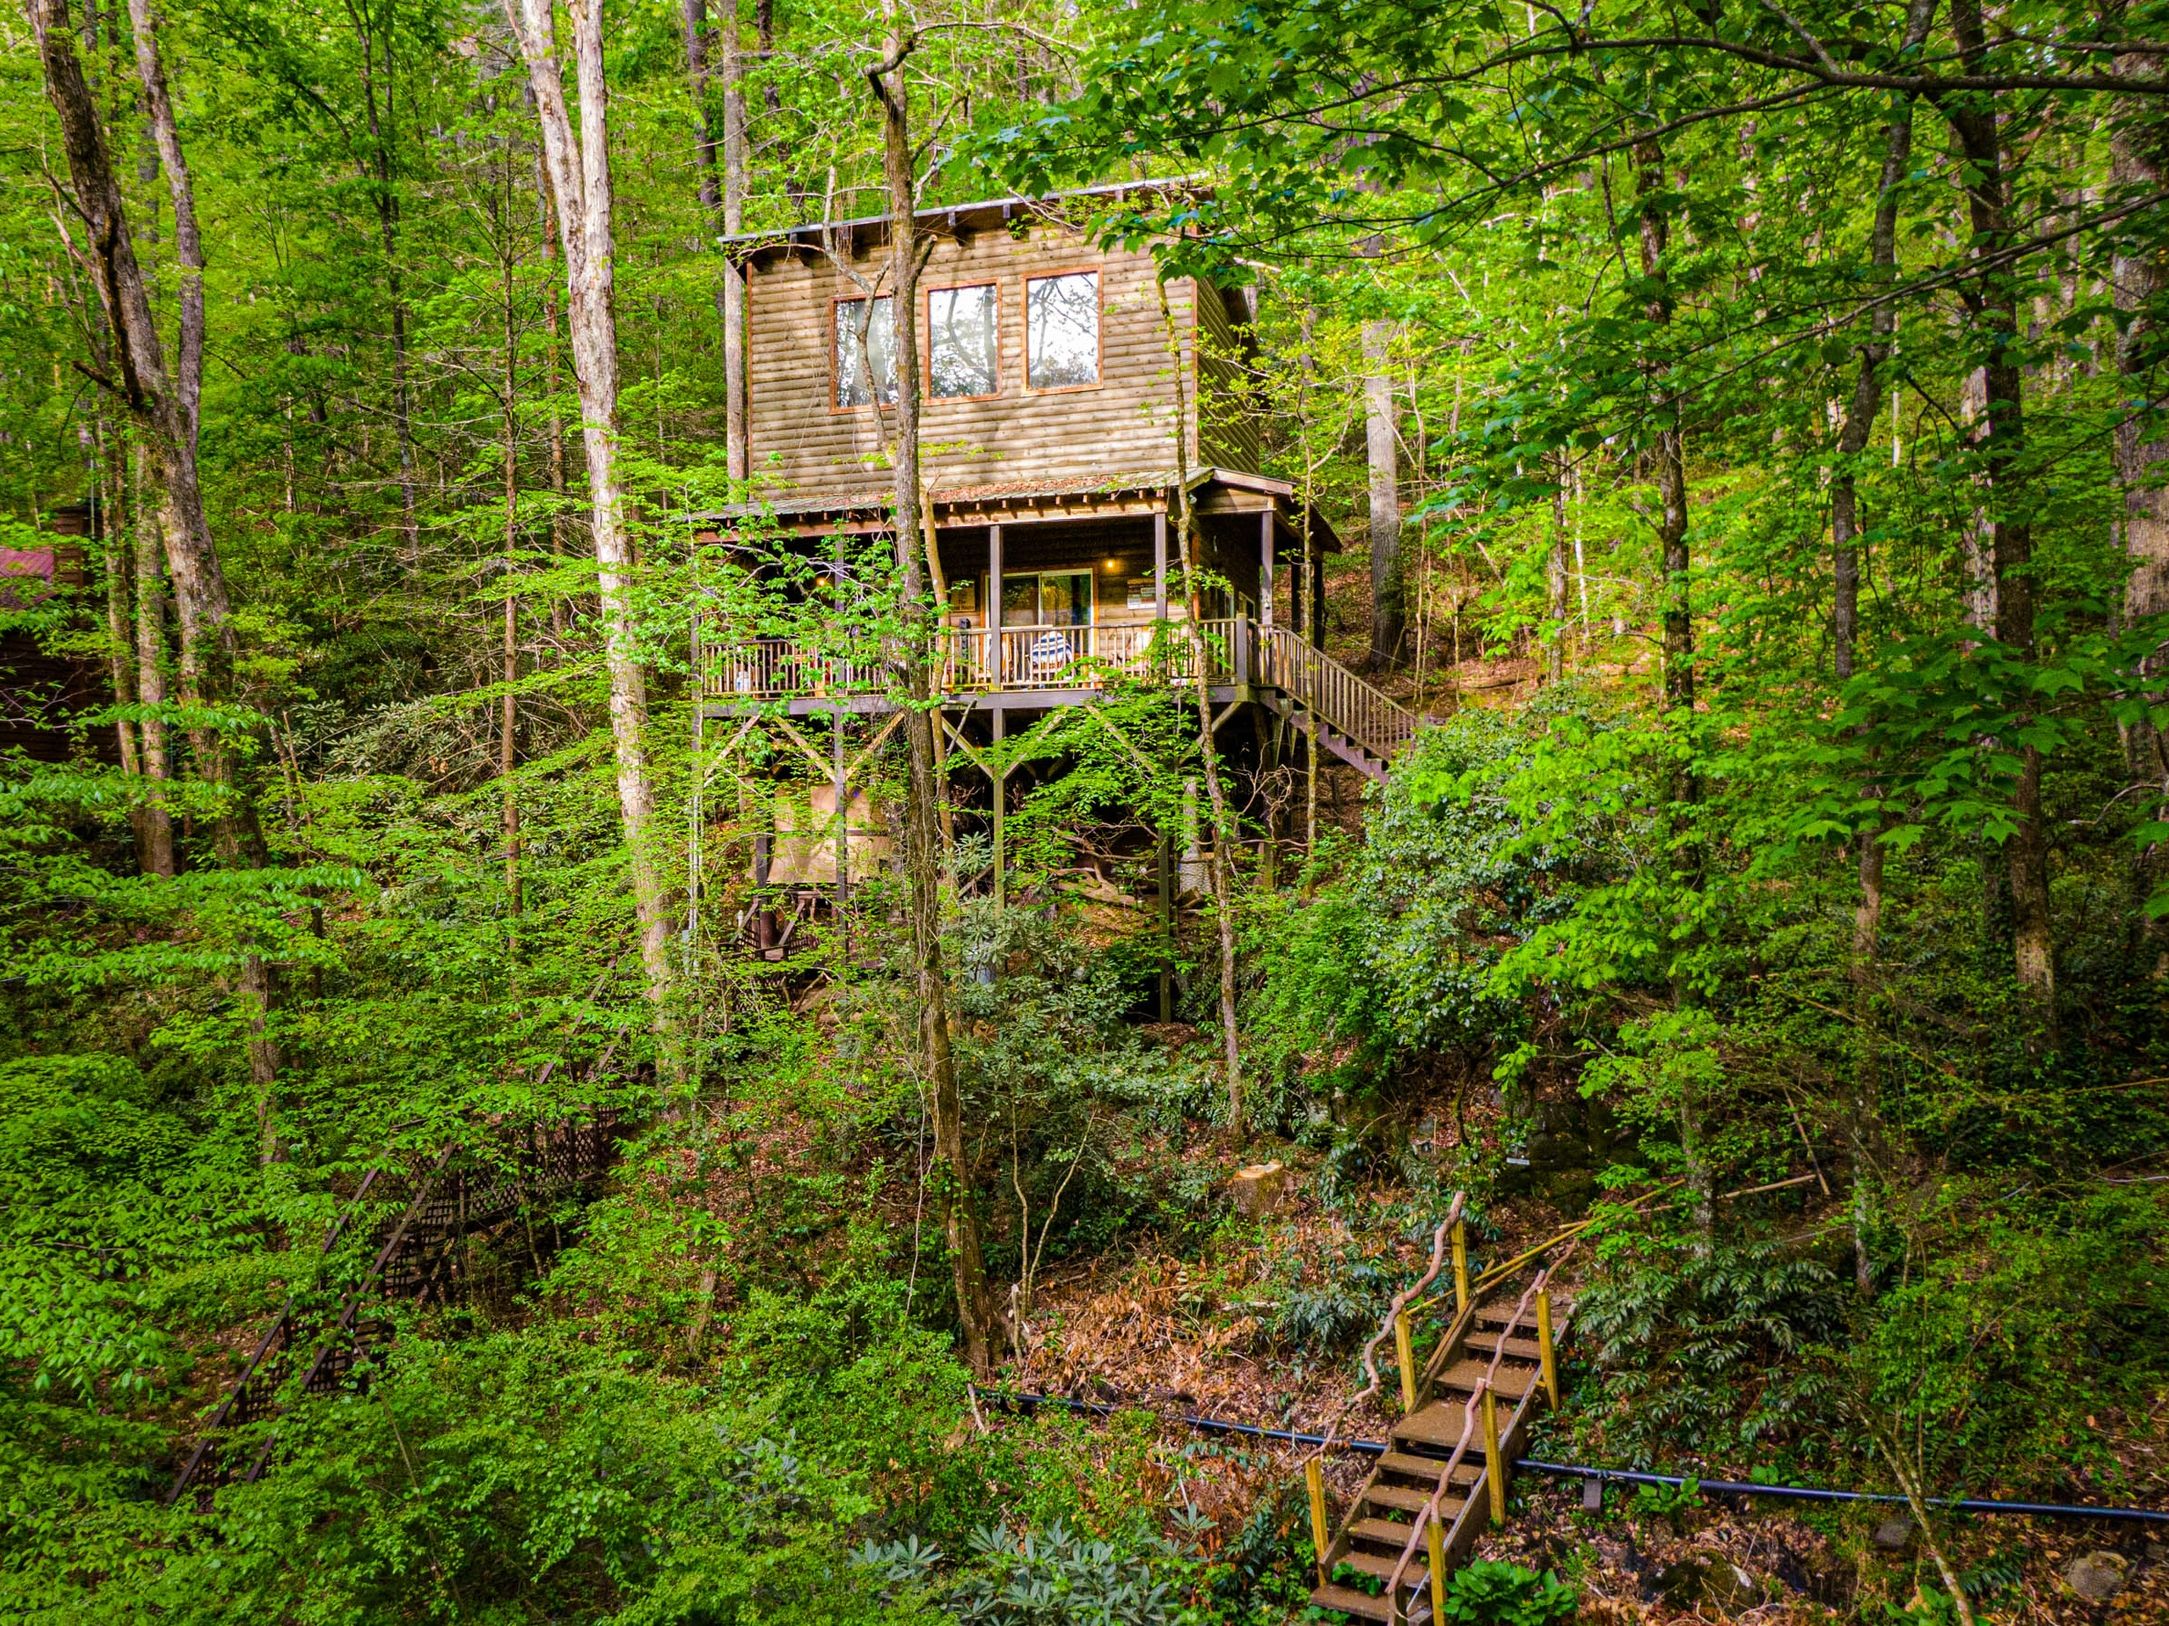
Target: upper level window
963,345
865,352
1062,330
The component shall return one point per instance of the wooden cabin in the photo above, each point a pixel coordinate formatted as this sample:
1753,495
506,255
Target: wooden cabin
1073,404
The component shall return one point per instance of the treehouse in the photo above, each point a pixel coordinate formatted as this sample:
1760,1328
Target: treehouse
1076,409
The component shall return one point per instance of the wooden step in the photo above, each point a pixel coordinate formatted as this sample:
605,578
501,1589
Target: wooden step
1426,1468
1384,1532
1382,1566
1517,1349
1438,1424
1511,1381
1497,1312
1365,1607
1408,1499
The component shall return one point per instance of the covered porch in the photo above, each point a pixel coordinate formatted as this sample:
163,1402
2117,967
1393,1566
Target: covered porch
1052,595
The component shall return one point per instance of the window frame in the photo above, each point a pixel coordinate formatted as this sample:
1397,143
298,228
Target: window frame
926,358
1099,328
835,356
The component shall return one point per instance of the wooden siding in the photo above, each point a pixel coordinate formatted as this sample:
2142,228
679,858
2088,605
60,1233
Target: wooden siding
804,448
1227,426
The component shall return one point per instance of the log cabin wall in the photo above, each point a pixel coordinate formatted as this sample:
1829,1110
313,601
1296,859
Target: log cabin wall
803,446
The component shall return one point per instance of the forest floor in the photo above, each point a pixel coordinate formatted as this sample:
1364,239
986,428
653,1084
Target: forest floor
1172,1336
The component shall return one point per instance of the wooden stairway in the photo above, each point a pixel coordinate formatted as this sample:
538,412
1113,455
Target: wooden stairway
417,1255
1358,722
1444,1471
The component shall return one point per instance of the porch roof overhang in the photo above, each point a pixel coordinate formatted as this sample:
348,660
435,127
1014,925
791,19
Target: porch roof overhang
1213,493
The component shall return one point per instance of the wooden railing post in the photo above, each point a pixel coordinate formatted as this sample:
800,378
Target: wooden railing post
1461,1266
1320,1540
1405,1352
1435,1549
1543,1345
1494,1466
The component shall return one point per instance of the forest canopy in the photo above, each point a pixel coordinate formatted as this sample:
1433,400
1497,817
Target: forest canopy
462,1154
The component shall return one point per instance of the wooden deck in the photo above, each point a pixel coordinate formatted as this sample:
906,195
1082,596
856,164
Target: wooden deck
1042,667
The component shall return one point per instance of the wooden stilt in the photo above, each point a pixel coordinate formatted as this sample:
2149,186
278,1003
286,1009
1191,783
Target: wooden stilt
1461,1266
1320,1539
998,776
1494,1465
1543,1344
1435,1550
1404,1352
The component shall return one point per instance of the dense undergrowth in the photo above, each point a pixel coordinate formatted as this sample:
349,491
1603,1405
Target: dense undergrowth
736,1372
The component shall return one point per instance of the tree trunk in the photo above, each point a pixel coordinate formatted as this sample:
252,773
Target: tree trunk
158,408
1382,451
2138,155
387,209
975,1308
1668,452
508,714
187,239
155,830
1555,579
1845,530
723,196
578,170
2001,442
1221,868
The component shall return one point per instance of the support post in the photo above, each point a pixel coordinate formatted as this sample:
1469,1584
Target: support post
1159,565
842,785
1167,931
1461,1266
1543,1344
1494,1464
999,774
1320,1538
1265,569
994,624
1435,1550
1316,629
1404,1352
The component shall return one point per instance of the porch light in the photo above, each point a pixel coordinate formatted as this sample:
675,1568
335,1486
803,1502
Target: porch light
1113,565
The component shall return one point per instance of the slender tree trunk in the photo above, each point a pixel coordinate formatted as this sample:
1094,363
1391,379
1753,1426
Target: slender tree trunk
1993,303
578,170
158,408
1382,450
508,716
559,618
1845,528
387,208
976,1311
2139,276
1668,452
187,239
1221,868
156,828
722,132
1555,579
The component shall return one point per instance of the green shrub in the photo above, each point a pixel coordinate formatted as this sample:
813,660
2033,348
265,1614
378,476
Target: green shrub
1487,1593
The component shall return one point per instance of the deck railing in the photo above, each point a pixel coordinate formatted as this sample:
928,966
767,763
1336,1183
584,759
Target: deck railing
975,660
981,660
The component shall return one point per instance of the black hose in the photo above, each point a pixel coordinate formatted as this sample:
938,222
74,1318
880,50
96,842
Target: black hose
1810,1493
1625,1476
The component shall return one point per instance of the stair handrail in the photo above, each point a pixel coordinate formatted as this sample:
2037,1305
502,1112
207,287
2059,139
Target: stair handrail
1364,712
1430,1510
1394,1313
